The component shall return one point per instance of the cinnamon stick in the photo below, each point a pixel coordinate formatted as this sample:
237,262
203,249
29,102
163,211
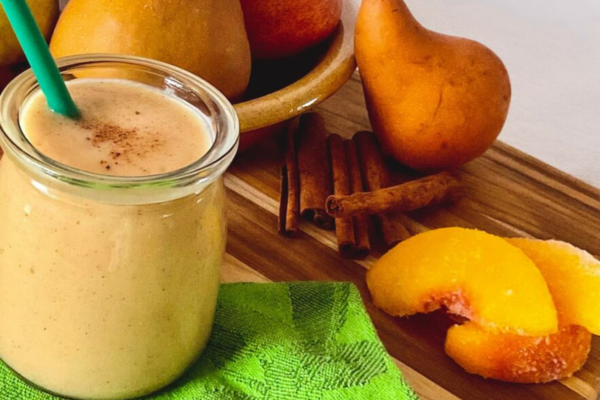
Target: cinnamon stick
283,202
375,177
314,171
289,203
344,227
361,224
430,190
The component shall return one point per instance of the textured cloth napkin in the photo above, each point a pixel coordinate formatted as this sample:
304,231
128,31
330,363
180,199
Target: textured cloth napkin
279,341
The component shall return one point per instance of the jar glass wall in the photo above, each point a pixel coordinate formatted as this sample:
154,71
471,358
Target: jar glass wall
108,284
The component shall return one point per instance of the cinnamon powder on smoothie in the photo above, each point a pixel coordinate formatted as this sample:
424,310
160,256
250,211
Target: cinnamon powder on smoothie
126,129
123,142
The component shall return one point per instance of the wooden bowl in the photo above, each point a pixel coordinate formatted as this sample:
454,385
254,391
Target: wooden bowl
282,90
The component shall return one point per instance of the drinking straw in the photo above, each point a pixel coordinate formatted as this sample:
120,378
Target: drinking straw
39,57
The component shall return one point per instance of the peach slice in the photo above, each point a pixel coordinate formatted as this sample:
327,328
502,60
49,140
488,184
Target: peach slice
515,358
474,274
573,277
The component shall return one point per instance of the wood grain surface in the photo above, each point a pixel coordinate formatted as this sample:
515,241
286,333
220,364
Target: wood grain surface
508,193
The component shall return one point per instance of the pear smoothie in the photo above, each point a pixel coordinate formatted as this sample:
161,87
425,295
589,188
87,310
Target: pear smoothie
112,240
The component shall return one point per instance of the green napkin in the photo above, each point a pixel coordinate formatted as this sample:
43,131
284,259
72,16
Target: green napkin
279,341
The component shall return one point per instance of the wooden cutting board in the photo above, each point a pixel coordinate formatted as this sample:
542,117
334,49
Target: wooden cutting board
508,193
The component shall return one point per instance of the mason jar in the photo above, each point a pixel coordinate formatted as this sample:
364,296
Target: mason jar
108,284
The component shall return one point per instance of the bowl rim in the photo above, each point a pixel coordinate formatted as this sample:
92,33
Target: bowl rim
329,75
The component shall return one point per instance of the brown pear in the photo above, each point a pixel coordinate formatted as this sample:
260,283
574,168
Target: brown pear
435,101
205,37
45,13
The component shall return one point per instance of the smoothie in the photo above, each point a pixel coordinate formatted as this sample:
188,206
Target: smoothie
101,300
126,129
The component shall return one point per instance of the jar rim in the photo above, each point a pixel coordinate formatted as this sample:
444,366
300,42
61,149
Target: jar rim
223,148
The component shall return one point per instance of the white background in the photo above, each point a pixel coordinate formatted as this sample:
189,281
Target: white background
552,51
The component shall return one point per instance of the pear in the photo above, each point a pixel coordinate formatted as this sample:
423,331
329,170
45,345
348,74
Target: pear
205,37
435,101
45,13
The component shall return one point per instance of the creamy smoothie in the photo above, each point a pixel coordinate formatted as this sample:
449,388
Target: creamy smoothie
126,129
100,300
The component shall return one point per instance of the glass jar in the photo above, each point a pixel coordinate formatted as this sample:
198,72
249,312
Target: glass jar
108,285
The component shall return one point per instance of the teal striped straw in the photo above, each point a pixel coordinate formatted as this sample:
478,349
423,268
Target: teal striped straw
39,57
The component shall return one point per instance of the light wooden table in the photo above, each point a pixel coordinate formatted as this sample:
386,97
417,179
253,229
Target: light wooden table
509,193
